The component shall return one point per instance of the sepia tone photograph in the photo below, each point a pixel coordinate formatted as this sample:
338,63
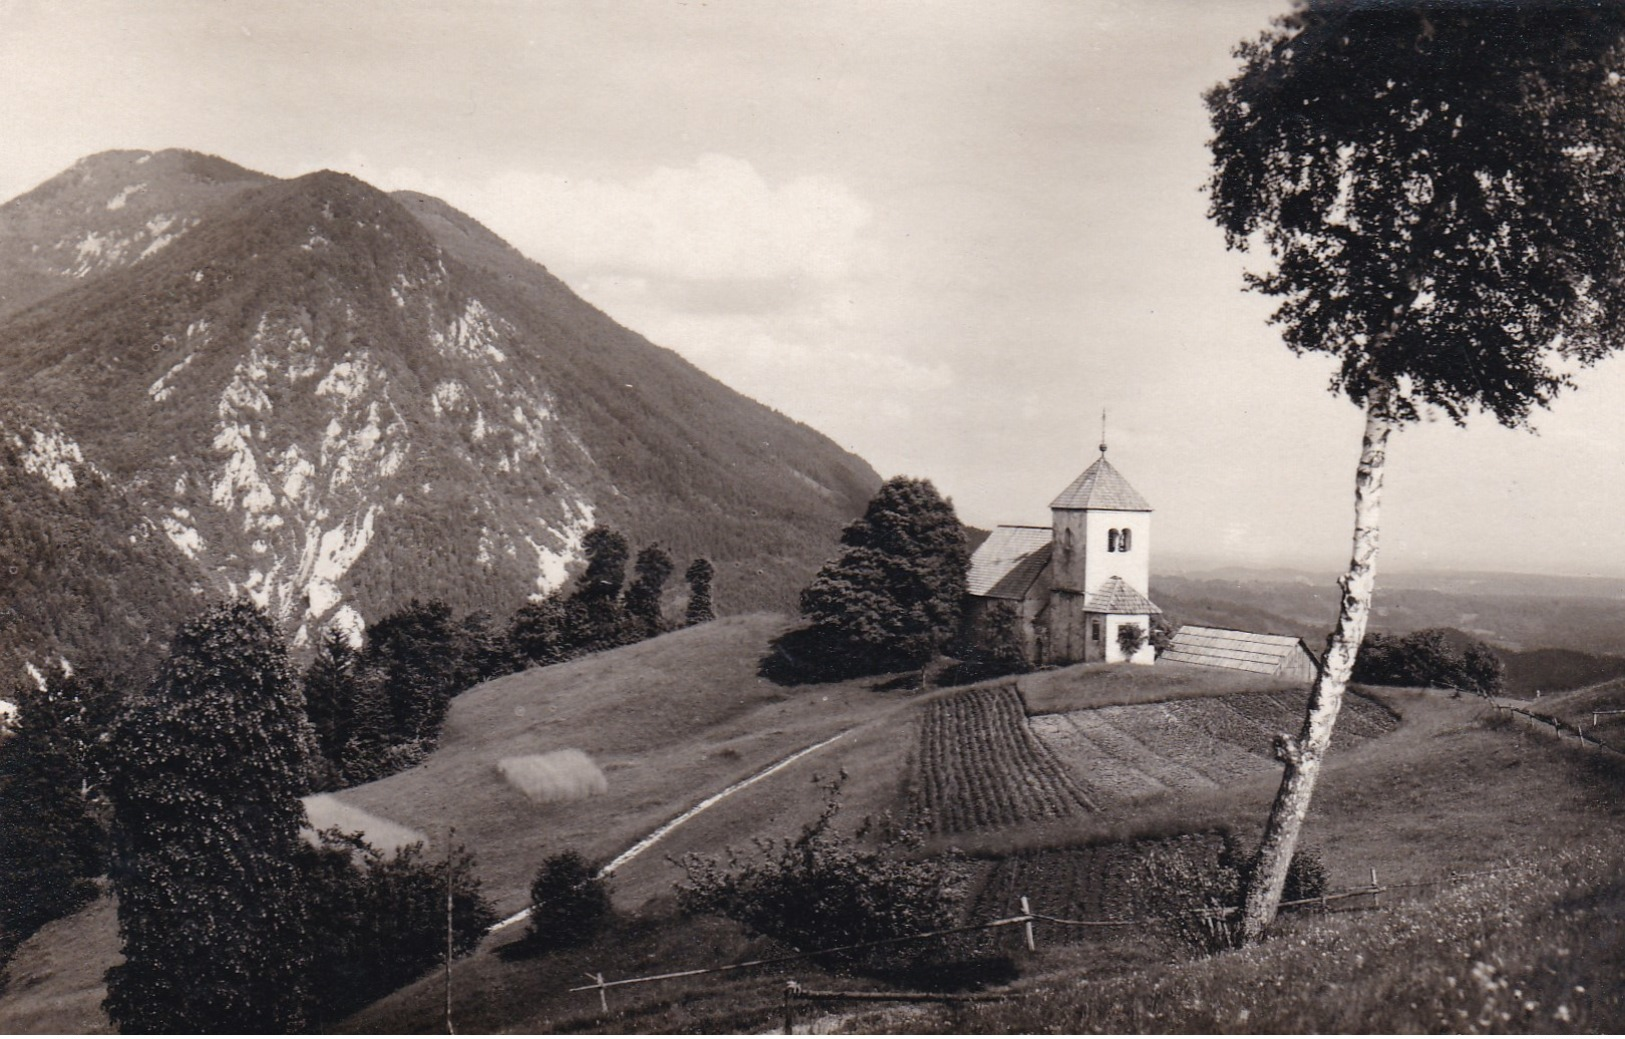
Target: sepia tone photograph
812,516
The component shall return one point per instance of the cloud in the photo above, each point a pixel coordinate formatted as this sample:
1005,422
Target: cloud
717,219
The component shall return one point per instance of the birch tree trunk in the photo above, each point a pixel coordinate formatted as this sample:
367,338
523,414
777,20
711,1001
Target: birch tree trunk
1303,756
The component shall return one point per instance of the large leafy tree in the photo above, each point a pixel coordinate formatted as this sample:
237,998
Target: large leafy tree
53,840
205,777
893,595
1437,187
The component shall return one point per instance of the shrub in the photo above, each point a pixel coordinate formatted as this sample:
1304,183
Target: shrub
1196,893
569,902
377,922
822,890
1130,637
563,775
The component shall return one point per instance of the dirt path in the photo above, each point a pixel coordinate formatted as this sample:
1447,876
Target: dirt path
661,831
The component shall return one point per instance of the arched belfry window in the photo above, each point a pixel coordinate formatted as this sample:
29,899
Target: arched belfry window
1066,543
1124,540
1111,540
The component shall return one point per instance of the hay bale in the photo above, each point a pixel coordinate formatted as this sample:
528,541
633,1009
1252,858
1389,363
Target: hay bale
561,775
326,811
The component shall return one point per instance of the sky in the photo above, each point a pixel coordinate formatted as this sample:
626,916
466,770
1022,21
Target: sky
947,234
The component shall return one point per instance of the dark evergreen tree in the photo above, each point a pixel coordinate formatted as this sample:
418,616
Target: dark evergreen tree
699,575
1436,184
53,839
593,616
607,553
369,727
483,653
205,777
537,631
416,649
329,688
653,568
893,596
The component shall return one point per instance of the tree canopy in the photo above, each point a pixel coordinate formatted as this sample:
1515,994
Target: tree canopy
894,594
205,780
1434,658
1437,185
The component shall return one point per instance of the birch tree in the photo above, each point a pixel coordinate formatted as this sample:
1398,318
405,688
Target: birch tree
1436,186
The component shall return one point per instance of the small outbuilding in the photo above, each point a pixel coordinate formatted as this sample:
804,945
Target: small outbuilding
1284,656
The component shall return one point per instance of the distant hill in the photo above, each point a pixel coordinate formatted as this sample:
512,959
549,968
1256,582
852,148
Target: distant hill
332,400
1556,637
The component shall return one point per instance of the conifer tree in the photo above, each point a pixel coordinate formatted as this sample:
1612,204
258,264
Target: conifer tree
537,631
653,568
594,617
329,689
205,780
700,609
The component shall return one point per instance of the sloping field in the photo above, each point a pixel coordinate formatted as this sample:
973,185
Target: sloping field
981,769
671,721
1119,754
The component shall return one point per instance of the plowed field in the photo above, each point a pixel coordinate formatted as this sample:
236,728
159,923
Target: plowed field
980,768
1090,883
1118,754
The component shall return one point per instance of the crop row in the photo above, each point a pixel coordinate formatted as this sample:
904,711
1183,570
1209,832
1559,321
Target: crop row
980,767
1090,883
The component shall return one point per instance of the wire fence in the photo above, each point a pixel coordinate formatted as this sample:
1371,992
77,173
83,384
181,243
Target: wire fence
1330,902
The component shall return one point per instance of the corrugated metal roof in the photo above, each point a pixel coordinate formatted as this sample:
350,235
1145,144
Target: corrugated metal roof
1118,596
1009,561
1239,650
1101,487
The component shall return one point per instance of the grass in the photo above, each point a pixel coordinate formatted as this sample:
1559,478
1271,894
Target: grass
1449,789
554,777
1084,686
675,719
669,721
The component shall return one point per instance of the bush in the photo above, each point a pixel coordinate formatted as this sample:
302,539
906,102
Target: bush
822,890
1130,637
1196,892
377,922
569,902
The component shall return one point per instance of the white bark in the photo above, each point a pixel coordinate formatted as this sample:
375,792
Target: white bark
1303,756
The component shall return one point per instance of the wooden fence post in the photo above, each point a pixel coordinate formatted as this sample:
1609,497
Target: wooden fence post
1376,892
1027,928
790,989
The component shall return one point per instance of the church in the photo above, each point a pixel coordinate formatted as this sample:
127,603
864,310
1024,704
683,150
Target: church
1074,584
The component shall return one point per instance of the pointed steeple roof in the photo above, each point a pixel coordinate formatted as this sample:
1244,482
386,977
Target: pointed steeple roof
1101,487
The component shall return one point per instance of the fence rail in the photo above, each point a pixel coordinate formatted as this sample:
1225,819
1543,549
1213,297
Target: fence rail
1559,727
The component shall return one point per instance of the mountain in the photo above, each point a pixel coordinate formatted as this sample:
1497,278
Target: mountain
333,400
